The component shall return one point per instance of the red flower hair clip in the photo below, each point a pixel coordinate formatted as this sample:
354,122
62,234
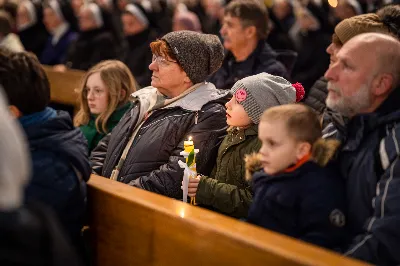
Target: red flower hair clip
300,92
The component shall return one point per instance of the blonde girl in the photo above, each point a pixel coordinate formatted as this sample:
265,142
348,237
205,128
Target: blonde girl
104,98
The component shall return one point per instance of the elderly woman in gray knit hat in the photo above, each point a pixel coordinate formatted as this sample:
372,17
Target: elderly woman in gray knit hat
143,150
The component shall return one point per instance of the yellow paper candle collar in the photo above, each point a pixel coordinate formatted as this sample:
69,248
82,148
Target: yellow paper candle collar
188,145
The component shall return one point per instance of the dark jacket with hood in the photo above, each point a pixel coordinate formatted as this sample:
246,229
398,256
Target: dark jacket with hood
263,59
60,167
369,161
90,48
152,162
226,189
307,203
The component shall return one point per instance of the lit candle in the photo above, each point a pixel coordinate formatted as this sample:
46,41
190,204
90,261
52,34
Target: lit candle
188,145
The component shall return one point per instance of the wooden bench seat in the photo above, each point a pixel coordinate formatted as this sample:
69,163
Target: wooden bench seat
136,227
63,85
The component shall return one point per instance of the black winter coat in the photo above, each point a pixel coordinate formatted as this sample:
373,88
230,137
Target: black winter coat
152,162
263,59
308,204
90,48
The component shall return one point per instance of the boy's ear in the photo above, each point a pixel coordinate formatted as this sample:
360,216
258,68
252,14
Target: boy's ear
15,112
303,148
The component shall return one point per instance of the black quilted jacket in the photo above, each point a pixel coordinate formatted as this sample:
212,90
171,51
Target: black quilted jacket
152,162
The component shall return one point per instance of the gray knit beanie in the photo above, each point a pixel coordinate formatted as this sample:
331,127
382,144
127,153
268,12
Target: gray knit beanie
198,54
260,92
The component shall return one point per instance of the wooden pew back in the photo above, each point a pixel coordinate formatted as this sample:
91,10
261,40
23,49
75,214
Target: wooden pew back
135,227
63,85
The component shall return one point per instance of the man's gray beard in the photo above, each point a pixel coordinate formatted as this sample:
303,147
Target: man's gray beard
350,105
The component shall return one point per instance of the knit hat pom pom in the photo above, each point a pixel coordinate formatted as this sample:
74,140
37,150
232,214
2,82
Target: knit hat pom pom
299,91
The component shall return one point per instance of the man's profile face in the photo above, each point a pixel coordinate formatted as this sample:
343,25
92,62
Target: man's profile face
232,32
350,80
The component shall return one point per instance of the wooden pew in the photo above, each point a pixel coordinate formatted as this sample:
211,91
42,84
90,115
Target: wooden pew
131,226
64,84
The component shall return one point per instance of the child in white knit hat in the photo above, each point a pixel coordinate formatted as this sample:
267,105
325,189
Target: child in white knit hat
226,189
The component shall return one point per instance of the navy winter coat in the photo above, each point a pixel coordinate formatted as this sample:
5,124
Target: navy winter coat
59,152
308,204
369,161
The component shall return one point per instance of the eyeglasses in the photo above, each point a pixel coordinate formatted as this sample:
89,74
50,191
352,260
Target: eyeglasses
162,61
96,92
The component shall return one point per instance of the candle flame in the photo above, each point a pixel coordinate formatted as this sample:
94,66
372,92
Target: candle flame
190,138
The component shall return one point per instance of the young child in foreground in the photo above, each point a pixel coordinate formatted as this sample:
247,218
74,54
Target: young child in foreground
226,189
293,193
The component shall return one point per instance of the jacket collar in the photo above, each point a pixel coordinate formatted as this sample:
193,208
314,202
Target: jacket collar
59,32
38,117
306,167
359,126
262,52
236,136
194,101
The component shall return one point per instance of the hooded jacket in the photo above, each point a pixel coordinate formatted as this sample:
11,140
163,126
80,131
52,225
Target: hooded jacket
29,235
152,161
60,168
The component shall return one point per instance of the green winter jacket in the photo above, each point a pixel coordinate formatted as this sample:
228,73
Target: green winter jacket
92,135
227,190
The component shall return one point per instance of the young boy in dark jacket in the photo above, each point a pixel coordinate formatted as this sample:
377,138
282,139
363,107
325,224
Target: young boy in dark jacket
58,150
294,194
226,189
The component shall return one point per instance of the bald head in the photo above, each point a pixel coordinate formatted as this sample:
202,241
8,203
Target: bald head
366,71
384,50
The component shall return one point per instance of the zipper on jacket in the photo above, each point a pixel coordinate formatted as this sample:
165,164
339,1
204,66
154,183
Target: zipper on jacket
196,118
